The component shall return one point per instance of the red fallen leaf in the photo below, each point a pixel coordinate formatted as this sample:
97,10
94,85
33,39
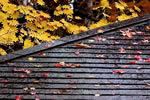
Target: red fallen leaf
47,46
129,34
37,98
138,58
10,63
74,87
42,53
4,81
139,52
64,90
32,92
82,45
19,97
148,84
27,71
69,75
118,71
116,85
98,38
60,64
125,67
99,55
44,75
18,69
122,50
22,76
77,52
145,41
147,60
132,62
73,82
116,42
135,43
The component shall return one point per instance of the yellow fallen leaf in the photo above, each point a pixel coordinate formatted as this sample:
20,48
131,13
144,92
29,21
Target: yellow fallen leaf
2,51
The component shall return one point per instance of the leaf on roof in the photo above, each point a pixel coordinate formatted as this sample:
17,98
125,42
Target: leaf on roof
132,62
82,45
118,71
59,64
122,50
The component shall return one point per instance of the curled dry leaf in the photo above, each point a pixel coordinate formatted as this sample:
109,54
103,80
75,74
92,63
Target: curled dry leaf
31,59
60,64
44,75
98,38
47,46
69,75
148,85
99,55
132,62
139,52
77,52
147,60
4,81
118,71
138,58
42,53
125,67
18,97
82,45
32,92
122,50
97,95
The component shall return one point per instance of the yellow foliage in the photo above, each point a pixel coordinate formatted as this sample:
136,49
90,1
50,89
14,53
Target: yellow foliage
28,44
125,17
105,4
2,51
100,23
137,8
40,2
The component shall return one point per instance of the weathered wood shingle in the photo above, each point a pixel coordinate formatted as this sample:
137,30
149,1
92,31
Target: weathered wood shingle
88,73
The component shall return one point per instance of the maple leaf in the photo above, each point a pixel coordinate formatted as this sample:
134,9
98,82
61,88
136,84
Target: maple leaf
82,45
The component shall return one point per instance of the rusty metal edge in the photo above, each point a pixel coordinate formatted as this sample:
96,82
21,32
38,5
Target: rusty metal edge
73,38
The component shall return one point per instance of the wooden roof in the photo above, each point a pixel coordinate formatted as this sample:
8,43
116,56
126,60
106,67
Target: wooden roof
111,66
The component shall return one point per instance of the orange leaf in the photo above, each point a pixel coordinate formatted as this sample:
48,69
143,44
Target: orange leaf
118,71
60,64
82,45
132,62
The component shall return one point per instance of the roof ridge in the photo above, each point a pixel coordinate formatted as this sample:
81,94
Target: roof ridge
73,38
